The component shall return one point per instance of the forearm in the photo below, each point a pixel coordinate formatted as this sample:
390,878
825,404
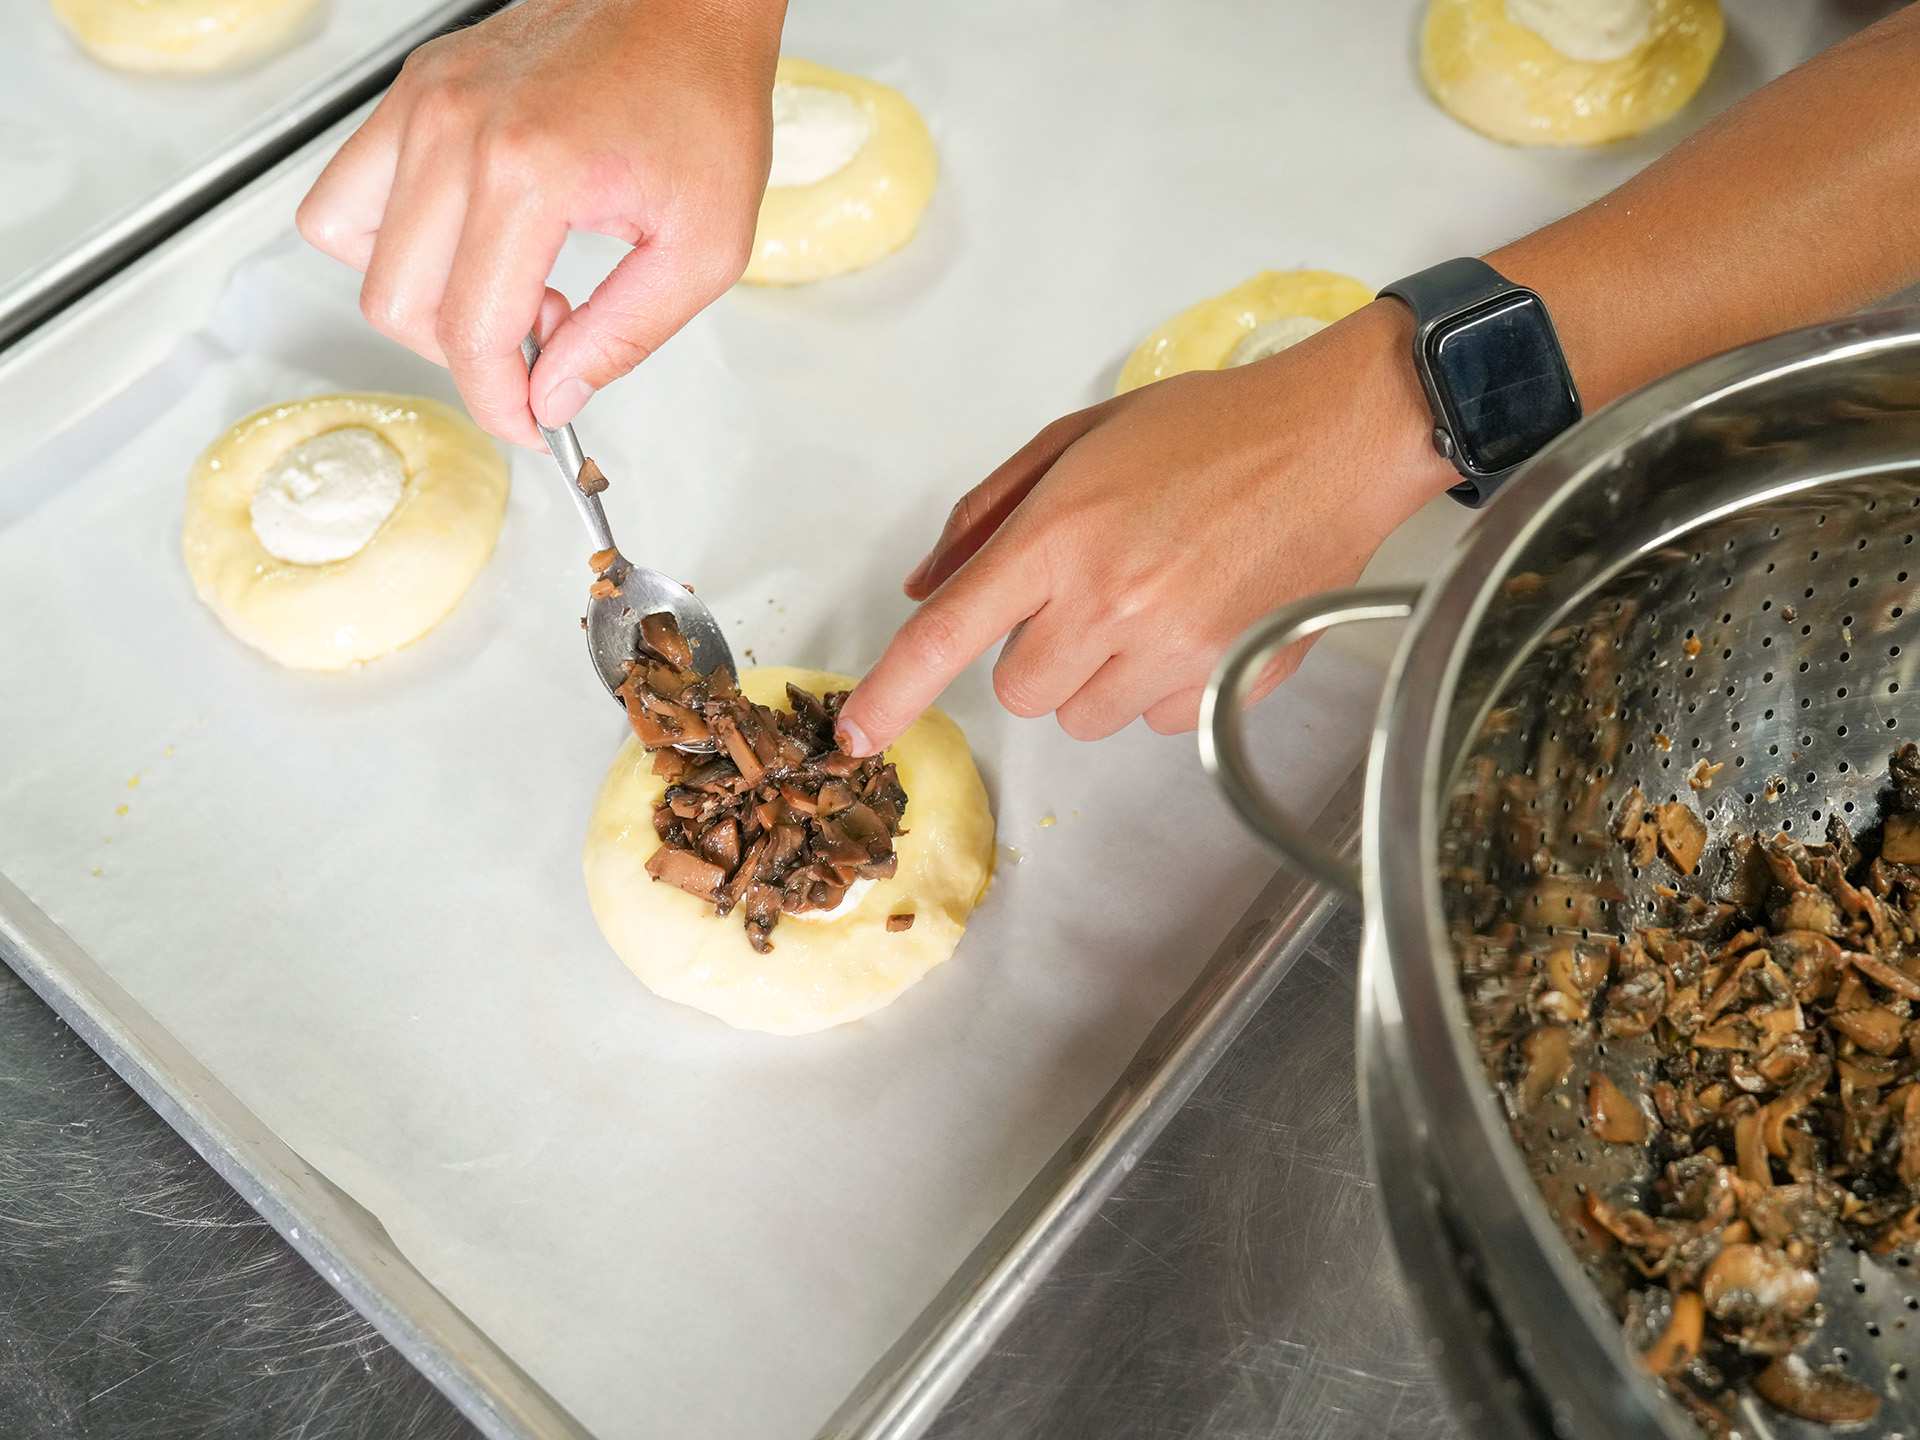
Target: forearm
1799,204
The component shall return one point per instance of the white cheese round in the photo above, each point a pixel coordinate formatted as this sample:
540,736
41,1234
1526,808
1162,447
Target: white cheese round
327,497
1591,31
816,133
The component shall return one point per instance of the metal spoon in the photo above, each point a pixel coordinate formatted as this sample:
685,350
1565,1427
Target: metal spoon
613,621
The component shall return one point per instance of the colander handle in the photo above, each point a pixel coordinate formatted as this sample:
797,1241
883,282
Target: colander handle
1223,736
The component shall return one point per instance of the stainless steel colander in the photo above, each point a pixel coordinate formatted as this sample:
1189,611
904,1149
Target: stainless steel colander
1715,580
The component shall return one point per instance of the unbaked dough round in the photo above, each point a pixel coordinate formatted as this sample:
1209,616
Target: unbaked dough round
1495,65
183,36
853,168
1273,310
395,587
820,973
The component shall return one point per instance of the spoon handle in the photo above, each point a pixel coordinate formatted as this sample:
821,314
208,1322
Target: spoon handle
564,446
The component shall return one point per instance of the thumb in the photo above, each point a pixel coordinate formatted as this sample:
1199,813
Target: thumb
643,301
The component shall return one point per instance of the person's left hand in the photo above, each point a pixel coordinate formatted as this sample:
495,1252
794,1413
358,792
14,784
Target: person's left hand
1128,544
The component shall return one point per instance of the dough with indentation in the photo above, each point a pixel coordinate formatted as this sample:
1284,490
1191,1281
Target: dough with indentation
1507,81
183,36
863,211
1205,336
399,585
817,974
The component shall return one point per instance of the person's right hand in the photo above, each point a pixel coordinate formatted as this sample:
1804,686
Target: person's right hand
646,120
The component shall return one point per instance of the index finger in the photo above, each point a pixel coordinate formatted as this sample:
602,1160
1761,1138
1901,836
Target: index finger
990,595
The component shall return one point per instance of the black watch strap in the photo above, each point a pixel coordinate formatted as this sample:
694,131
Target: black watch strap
1435,295
1448,287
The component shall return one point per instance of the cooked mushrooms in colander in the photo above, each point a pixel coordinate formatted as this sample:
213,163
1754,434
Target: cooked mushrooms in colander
1777,1048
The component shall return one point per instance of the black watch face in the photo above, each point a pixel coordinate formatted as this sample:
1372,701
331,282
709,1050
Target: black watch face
1502,382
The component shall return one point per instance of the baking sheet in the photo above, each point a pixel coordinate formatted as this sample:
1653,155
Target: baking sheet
357,899
82,146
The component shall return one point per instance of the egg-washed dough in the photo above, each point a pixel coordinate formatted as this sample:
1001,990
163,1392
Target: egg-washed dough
860,213
1507,81
399,585
820,973
1205,336
183,36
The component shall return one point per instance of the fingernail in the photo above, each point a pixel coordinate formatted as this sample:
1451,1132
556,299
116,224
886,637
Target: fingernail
566,400
851,738
919,572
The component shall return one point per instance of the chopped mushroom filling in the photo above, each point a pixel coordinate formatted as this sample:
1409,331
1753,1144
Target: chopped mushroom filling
778,820
1780,1115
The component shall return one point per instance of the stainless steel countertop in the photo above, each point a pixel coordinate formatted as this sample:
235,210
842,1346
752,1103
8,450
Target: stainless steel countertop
1237,1285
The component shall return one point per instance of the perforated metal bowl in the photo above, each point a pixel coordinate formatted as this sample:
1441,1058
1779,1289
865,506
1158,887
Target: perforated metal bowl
1725,568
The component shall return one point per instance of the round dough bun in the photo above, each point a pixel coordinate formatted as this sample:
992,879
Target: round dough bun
862,212
1202,336
401,584
189,37
1506,82
819,973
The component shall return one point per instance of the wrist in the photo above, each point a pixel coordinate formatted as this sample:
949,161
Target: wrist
1395,406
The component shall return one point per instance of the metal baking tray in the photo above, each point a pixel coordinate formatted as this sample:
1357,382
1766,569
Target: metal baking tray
116,338
154,152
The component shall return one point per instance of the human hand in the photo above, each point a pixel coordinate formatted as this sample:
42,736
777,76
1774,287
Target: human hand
1128,544
646,120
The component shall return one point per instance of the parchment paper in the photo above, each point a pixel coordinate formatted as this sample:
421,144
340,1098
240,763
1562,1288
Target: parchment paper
357,897
81,143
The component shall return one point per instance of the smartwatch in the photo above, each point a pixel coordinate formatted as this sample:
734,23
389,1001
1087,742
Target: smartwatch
1490,362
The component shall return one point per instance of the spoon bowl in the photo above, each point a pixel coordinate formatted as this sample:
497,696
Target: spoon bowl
613,621
613,625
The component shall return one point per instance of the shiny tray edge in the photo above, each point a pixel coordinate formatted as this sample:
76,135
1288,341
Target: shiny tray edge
41,293
904,1393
